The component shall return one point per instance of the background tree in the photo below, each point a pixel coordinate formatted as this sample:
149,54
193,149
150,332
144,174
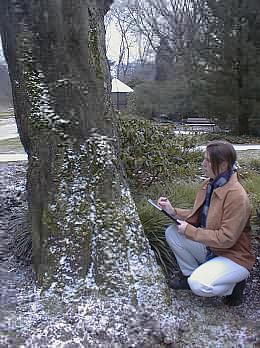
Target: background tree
117,18
231,52
173,28
83,221
202,46
163,61
132,45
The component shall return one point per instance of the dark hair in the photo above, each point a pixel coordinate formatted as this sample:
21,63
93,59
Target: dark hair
220,151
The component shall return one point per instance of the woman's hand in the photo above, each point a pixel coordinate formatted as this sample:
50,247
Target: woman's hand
165,204
182,226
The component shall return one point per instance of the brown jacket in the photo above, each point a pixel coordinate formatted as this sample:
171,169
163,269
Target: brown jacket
228,229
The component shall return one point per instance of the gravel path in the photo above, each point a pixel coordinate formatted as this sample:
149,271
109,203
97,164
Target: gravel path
30,320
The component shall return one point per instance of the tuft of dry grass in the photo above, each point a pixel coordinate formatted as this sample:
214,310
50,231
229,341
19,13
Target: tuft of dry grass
21,243
180,193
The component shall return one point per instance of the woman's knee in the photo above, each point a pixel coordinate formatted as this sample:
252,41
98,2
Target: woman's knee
205,290
170,233
200,289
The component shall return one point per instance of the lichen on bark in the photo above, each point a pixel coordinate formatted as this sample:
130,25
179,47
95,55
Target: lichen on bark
97,242
93,44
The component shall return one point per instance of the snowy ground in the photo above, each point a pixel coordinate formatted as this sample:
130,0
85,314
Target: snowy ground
239,147
8,128
31,319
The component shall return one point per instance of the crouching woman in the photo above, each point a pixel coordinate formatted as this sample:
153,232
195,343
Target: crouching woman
212,243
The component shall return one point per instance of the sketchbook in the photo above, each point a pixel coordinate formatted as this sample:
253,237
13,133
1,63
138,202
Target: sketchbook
163,211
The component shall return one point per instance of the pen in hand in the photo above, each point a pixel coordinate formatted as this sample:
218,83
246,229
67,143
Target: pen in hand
162,209
164,203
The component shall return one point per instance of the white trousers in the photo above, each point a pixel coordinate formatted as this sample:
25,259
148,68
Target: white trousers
216,277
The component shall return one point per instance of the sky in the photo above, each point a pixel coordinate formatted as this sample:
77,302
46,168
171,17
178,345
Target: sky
113,39
112,42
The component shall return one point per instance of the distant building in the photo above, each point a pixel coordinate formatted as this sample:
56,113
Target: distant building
120,93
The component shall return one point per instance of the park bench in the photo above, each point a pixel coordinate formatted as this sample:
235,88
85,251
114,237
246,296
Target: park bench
199,123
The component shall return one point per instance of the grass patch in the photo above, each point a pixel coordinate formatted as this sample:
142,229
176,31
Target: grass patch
181,194
252,185
255,164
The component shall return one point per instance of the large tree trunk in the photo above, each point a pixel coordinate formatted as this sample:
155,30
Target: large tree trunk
83,221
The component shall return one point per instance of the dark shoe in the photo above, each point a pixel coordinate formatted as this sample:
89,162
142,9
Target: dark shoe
236,298
179,284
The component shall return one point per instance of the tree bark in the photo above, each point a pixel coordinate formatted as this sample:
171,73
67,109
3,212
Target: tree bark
83,220
242,75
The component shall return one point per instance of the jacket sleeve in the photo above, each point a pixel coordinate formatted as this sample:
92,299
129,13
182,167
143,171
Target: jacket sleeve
236,212
183,213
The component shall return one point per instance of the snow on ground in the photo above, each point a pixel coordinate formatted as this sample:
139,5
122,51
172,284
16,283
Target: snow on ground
238,147
8,129
13,157
30,318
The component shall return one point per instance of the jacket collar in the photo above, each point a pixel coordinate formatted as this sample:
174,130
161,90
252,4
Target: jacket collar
221,191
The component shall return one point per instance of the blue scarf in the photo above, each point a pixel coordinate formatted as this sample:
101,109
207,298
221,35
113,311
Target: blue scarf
221,180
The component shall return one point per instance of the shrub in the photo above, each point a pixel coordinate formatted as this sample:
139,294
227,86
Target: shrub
152,152
153,156
231,137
